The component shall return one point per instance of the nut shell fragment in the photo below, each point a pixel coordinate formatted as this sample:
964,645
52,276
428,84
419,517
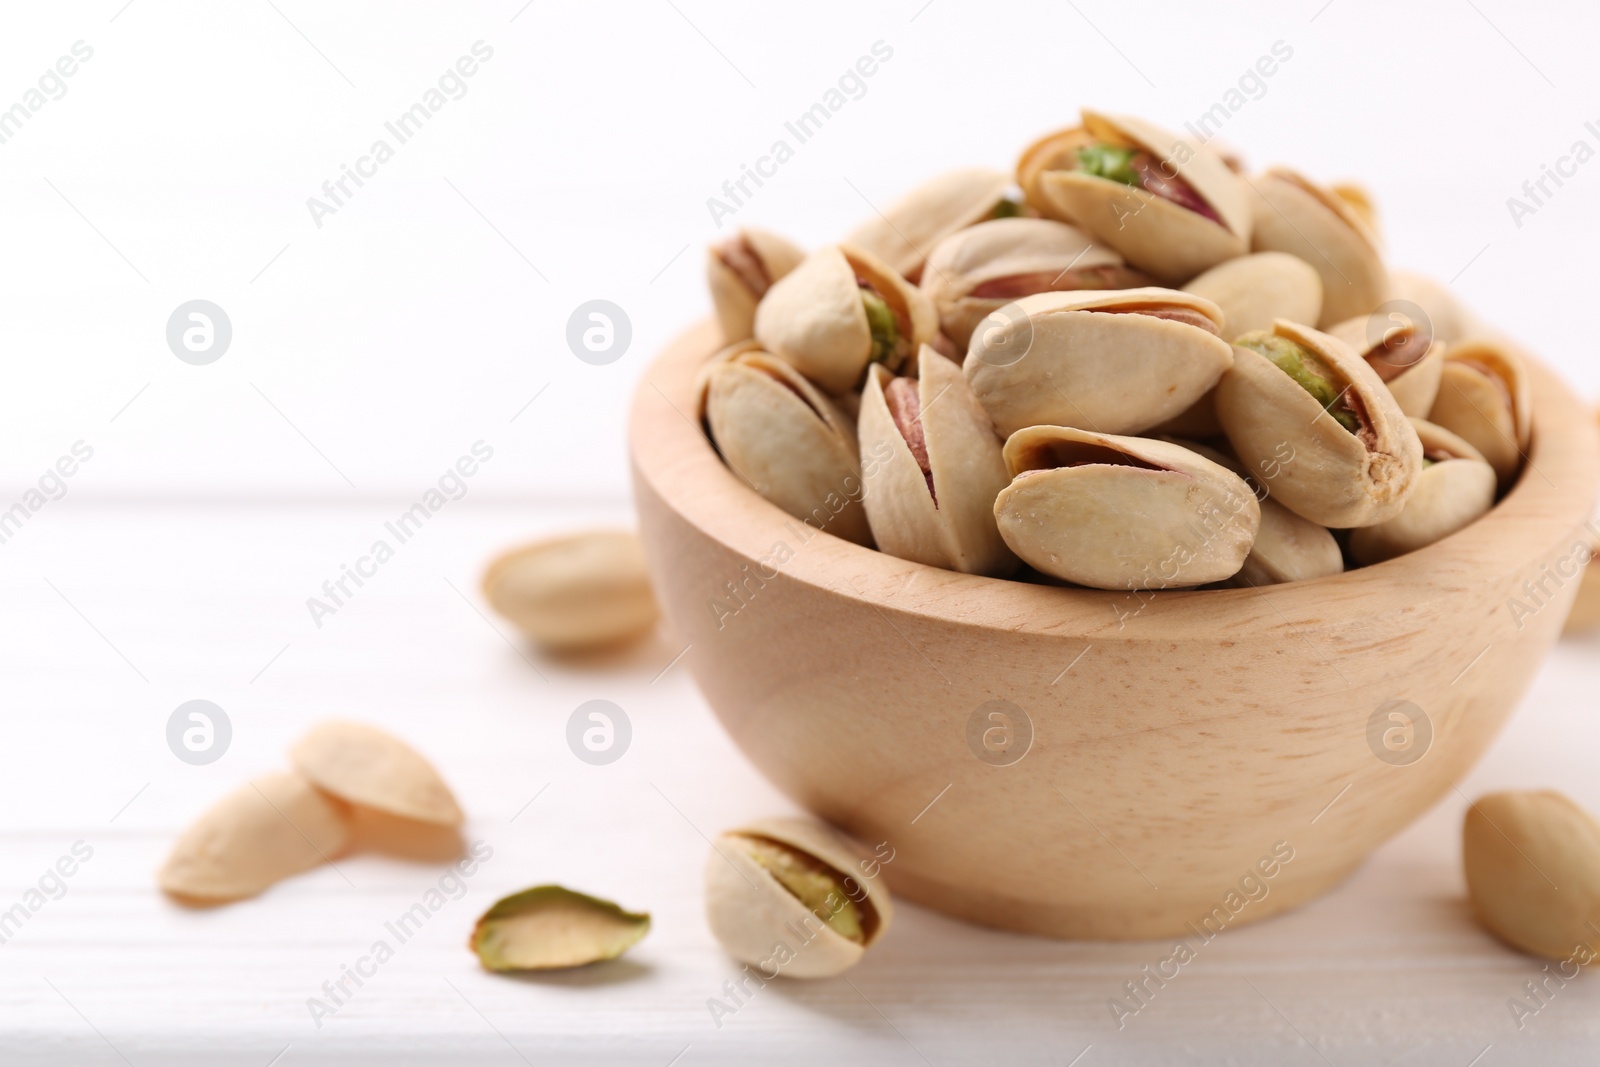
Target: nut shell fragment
1485,398
550,927
582,590
367,766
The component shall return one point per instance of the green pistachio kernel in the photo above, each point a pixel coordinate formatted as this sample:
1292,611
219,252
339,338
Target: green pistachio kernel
1109,161
813,884
1308,372
885,330
1006,208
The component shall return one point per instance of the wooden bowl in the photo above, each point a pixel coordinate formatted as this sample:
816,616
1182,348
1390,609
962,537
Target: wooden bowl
1198,759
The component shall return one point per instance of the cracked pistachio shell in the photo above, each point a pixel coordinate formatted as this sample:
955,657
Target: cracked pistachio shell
270,828
1154,234
579,591
1484,398
787,441
941,514
1449,318
1123,512
1532,862
740,270
1454,490
760,920
1294,215
978,270
1389,344
904,234
364,765
813,317
1308,461
1254,290
1118,361
550,927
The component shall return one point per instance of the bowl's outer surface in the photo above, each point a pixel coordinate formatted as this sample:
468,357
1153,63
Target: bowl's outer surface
1178,739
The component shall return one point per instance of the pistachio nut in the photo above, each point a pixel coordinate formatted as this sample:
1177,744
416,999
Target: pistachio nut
740,270
904,233
975,271
932,469
1532,862
1170,206
1484,397
1455,488
1294,215
366,766
578,591
784,895
1254,290
1359,200
839,310
787,440
550,927
1404,353
1123,512
1118,361
1312,422
1448,318
272,827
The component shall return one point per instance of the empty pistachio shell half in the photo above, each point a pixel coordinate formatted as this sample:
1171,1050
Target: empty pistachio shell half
1484,398
1532,861
1117,361
839,310
274,826
550,927
364,765
975,271
582,590
905,232
1455,488
740,270
784,896
932,469
1294,215
1403,352
1254,290
1448,318
1123,512
1311,421
1170,206
792,445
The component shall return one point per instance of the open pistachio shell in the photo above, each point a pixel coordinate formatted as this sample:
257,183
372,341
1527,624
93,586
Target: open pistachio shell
272,827
1123,512
1484,398
1305,457
907,231
1532,863
1114,361
1405,354
791,897
978,270
584,590
550,927
1294,215
1449,318
740,270
364,765
786,439
1155,233
1254,290
1359,200
932,469
815,317
1455,488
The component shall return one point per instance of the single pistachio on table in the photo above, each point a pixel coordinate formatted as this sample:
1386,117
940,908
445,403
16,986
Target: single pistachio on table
1117,361
839,310
740,270
1449,319
1484,396
550,927
1256,289
579,591
368,767
1170,206
1403,351
1532,864
787,440
1123,512
904,233
932,468
783,895
1293,214
1456,488
976,271
1311,421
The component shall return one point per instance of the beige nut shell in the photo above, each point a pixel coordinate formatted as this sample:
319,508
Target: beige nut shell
1449,496
1254,290
907,231
1292,214
364,765
731,295
1414,388
1484,398
1532,864
589,589
1450,319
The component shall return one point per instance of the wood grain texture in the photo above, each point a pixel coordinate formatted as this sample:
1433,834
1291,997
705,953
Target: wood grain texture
1177,740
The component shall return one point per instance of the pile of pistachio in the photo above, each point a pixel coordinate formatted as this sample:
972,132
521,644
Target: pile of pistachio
1147,370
